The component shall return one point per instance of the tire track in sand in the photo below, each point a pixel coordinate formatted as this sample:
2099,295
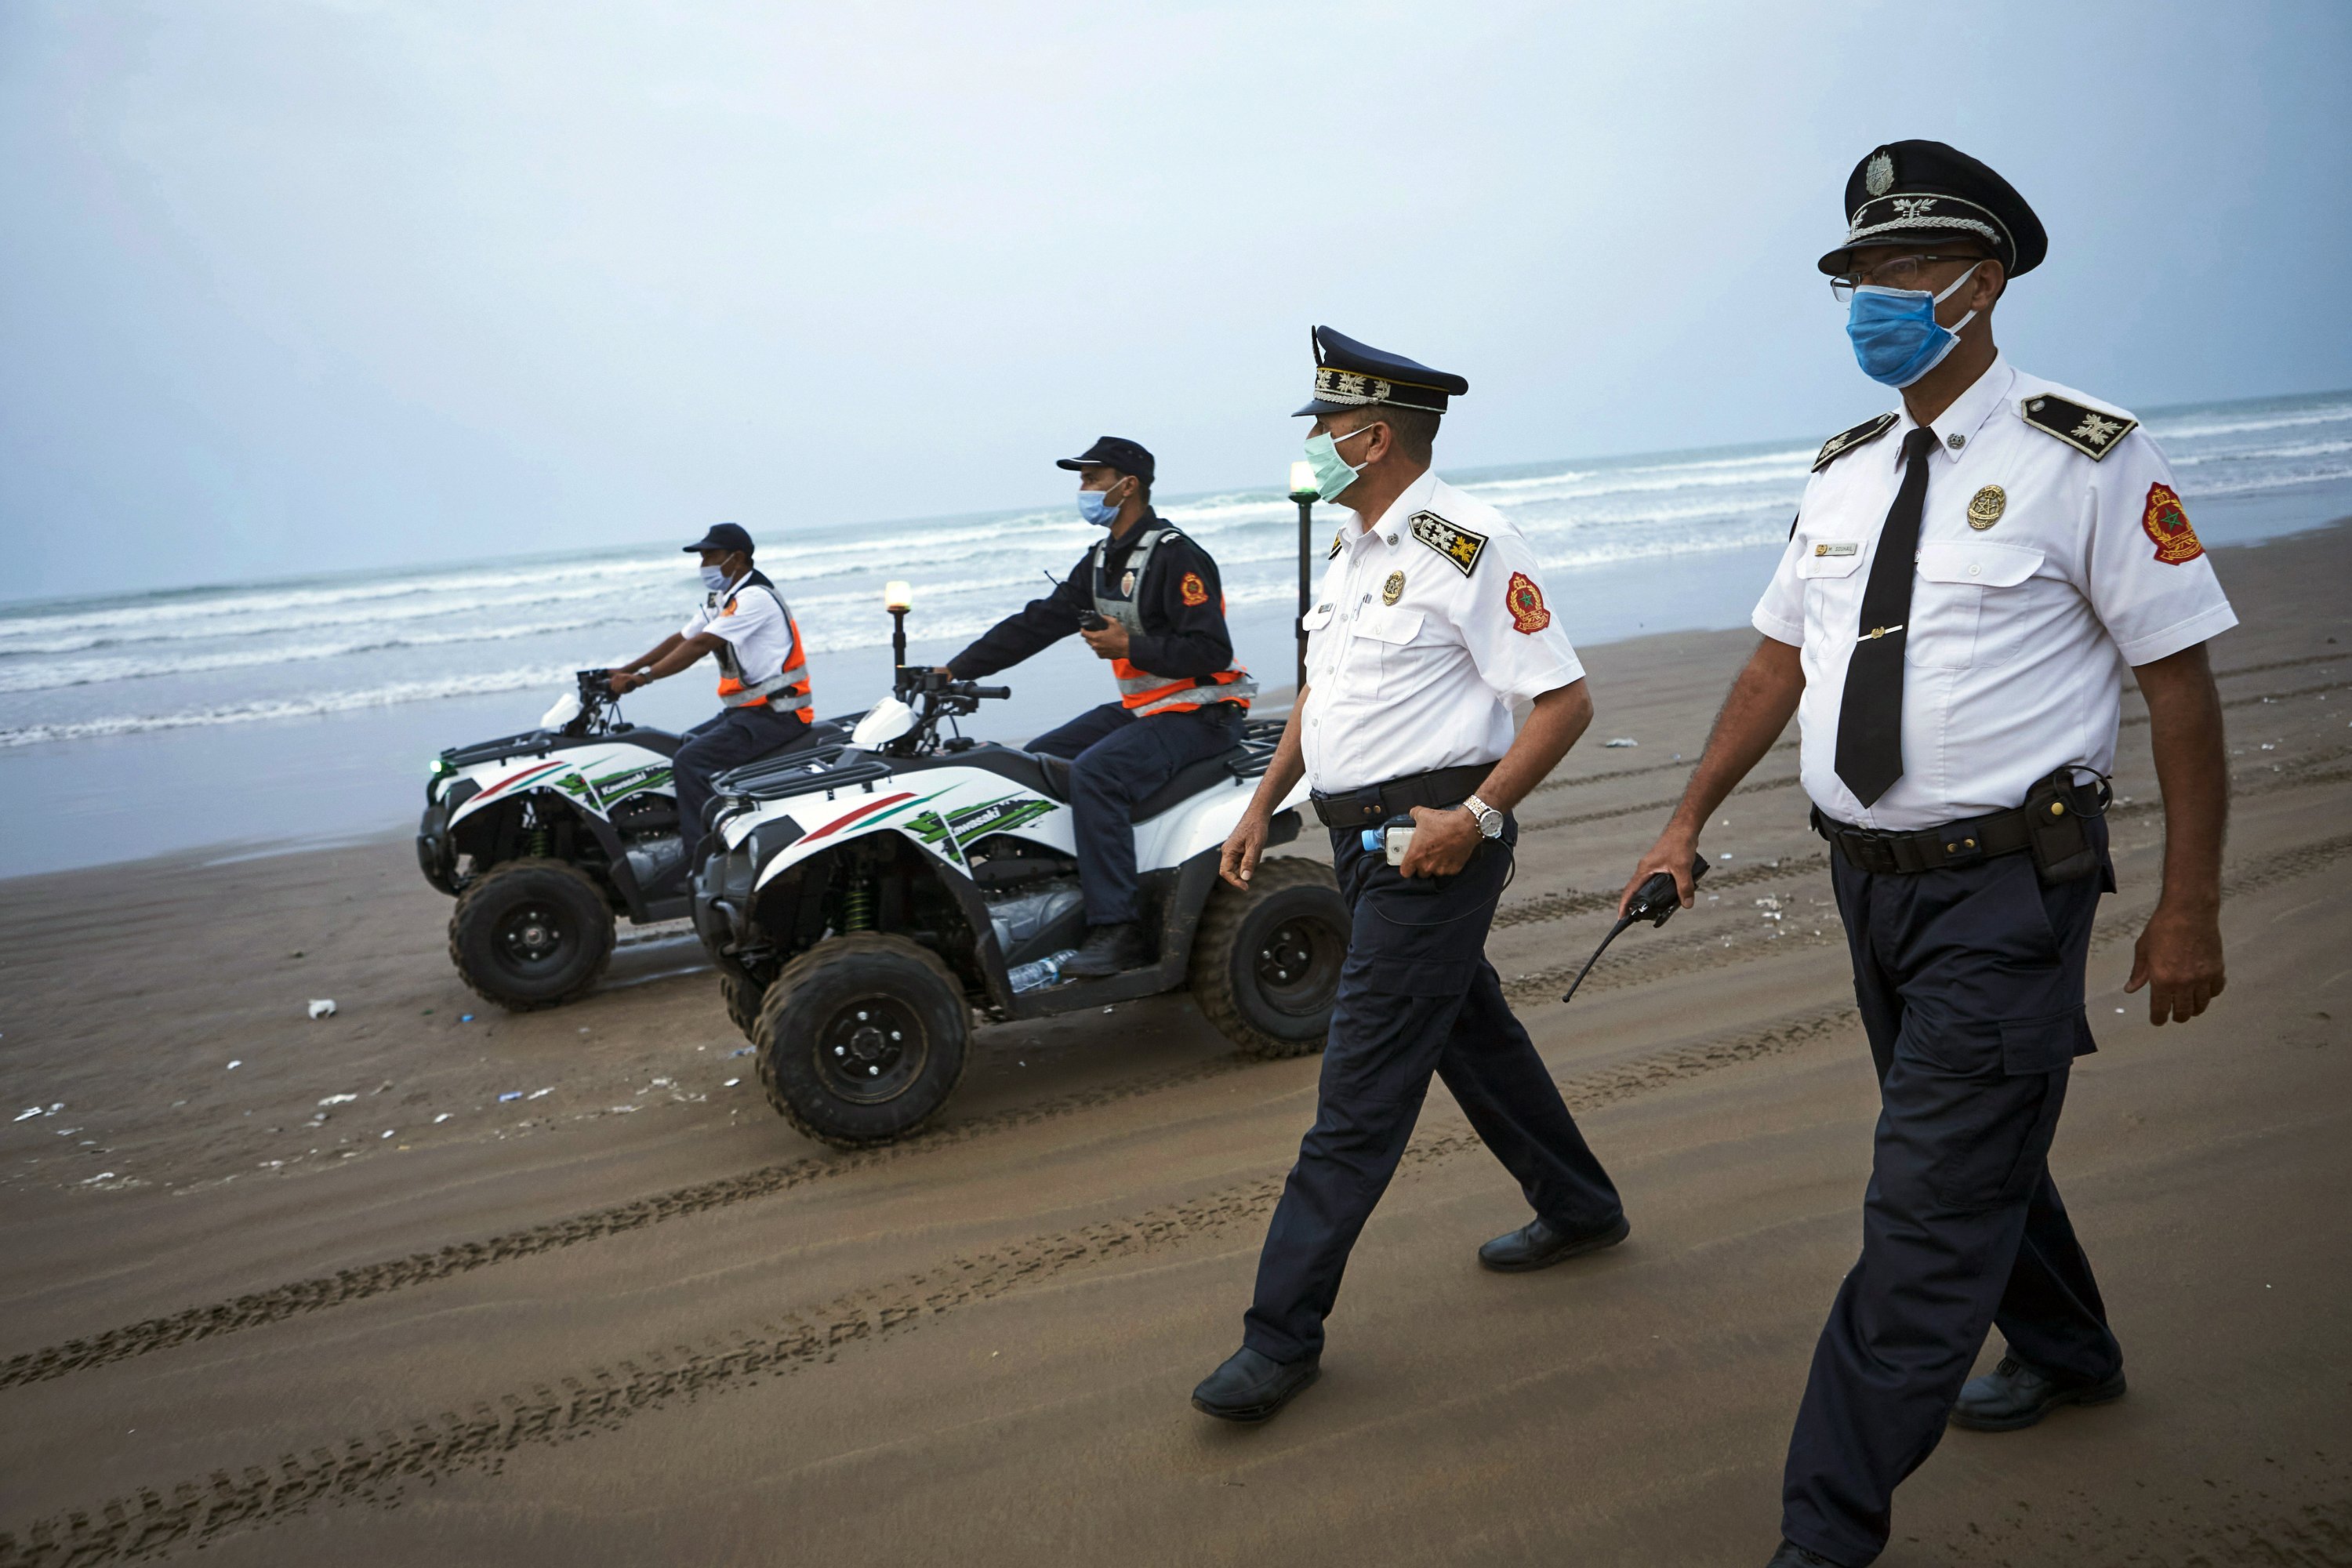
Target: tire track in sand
375,1468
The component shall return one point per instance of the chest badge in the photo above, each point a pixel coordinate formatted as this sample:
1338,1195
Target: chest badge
1127,585
1985,506
1838,547
1394,589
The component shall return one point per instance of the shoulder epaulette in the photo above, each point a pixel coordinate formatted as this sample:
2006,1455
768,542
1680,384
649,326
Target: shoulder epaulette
2093,432
1845,441
1339,542
1460,546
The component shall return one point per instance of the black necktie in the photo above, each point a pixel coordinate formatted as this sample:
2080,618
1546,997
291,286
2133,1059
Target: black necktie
1870,720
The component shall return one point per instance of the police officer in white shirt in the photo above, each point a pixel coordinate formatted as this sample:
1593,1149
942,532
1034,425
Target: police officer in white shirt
763,677
1429,625
1964,584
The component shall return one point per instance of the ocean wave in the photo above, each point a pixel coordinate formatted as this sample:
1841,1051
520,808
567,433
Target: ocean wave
2165,430
555,677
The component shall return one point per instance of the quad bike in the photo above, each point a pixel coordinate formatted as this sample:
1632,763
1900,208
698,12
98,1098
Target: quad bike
862,901
545,837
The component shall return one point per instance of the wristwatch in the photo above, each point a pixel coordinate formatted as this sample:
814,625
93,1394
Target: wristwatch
1490,821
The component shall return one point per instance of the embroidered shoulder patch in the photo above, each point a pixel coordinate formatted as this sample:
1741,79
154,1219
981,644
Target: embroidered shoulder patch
1845,441
1459,545
2093,432
1195,592
1339,542
1526,600
2168,525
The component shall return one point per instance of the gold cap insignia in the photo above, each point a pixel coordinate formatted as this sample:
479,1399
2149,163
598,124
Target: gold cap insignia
1985,506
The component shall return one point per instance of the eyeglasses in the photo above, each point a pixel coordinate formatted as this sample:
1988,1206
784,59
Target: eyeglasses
1897,272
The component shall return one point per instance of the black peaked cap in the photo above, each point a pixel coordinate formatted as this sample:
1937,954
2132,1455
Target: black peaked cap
1926,190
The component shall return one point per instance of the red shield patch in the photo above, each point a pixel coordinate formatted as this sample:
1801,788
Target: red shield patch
2168,526
1526,600
1195,592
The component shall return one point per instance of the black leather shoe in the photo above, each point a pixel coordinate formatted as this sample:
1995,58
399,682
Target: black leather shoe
1107,950
1536,1245
1251,1387
1793,1555
2015,1396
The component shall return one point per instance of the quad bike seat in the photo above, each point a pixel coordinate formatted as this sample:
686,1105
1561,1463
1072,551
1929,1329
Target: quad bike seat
1190,780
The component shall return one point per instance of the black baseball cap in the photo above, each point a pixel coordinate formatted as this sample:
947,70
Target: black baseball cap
1112,452
723,536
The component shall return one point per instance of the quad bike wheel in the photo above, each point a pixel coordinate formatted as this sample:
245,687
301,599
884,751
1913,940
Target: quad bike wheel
862,1039
742,997
1265,962
531,933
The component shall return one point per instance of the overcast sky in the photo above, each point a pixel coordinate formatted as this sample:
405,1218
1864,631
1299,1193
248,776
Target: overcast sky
297,285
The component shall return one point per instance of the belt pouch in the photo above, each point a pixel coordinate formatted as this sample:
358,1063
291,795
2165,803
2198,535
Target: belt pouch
2054,815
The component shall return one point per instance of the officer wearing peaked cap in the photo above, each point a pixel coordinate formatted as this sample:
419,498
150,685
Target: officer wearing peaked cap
1967,579
1432,621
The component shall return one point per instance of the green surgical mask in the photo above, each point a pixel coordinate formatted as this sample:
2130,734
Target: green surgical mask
1333,474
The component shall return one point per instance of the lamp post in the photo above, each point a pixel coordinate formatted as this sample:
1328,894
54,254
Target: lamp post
1302,490
897,598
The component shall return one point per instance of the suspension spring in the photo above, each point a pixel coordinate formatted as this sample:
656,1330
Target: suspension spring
858,905
538,844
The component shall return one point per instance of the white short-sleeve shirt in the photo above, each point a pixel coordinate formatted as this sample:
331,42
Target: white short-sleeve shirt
2043,573
752,621
1428,623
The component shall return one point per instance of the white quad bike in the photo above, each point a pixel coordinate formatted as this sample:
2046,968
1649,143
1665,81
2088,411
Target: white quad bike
862,901
544,837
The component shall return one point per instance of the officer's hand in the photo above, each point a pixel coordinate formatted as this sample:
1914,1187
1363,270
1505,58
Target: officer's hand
2178,959
1674,852
1242,848
621,680
1442,842
1108,643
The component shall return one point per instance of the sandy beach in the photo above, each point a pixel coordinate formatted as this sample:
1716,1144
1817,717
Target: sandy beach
296,1291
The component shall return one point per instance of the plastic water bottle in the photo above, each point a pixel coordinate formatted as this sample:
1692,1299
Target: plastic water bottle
1039,973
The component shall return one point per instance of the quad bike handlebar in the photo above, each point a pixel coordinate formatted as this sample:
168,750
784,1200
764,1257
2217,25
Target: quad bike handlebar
934,696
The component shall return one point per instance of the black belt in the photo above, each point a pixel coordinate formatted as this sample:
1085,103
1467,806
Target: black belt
1375,803
1974,838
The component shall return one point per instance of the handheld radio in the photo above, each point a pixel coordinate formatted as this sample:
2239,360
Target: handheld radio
1655,901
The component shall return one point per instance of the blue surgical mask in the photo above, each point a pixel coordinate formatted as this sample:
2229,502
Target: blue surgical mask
1097,508
1333,473
715,579
1896,339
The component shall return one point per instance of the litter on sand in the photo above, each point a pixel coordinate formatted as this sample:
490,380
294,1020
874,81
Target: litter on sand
743,1051
465,1017
535,1093
235,1065
510,1094
32,1110
440,1119
1620,740
322,1007
339,1099
731,1082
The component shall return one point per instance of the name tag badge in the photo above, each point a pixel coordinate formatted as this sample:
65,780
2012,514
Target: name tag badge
1838,547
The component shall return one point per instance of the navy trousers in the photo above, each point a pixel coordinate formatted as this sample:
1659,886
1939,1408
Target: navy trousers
1117,759
1970,982
737,735
1416,998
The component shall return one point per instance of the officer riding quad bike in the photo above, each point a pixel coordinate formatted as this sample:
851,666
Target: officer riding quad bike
542,837
862,901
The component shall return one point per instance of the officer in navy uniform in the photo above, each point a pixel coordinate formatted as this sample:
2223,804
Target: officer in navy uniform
763,675
1159,619
1431,624
1966,580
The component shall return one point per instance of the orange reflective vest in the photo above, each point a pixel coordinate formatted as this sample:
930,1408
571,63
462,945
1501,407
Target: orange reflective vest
786,690
1142,692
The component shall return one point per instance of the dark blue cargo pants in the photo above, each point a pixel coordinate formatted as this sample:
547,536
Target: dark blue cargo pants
1117,759
1970,983
1417,997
